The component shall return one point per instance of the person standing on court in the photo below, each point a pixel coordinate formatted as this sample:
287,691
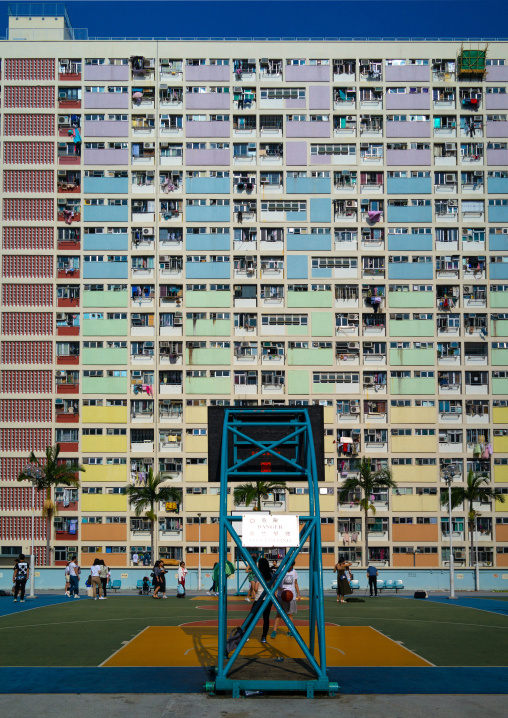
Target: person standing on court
104,575
74,572
95,572
20,577
182,573
372,576
289,583
343,587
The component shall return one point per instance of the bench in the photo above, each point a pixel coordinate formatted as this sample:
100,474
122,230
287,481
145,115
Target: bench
355,584
114,585
139,586
390,585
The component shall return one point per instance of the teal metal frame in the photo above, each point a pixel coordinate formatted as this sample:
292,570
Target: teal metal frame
303,466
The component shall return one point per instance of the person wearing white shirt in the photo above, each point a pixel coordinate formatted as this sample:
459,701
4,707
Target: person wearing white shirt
135,559
95,572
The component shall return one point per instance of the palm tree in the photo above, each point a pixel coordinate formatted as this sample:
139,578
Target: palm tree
474,490
249,493
45,474
367,482
146,499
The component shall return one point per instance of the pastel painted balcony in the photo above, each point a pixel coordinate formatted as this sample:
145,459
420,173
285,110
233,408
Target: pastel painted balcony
407,73
411,386
409,242
309,242
105,128
105,270
106,101
105,241
498,210
411,357
207,185
213,356
107,356
406,128
209,212
106,185
207,100
207,73
208,270
497,128
410,270
499,270
109,156
496,101
308,185
409,157
411,328
497,185
497,73
104,385
208,128
408,185
206,157
497,156
307,128
408,101
101,327
207,327
498,241
105,212
119,73
310,357
307,73
409,213
207,242
203,385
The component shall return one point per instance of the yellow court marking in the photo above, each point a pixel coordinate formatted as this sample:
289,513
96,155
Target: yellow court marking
193,646
230,598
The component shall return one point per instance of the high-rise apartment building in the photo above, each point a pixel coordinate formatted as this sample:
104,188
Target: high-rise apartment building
190,224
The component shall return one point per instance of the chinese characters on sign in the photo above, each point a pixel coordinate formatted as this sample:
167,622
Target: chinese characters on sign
270,531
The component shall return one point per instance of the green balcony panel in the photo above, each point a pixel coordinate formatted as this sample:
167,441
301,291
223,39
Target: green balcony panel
411,328
423,300
309,300
499,385
310,357
104,385
210,356
208,327
323,388
298,381
105,327
413,385
499,357
208,299
498,300
208,385
322,324
412,357
499,328
105,300
107,356
297,331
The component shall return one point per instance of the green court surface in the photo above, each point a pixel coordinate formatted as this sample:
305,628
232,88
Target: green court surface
87,633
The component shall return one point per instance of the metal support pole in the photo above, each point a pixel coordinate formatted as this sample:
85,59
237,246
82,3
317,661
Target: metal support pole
450,529
32,554
476,566
199,552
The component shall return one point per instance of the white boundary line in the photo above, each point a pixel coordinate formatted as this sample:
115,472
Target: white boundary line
432,665
124,646
460,605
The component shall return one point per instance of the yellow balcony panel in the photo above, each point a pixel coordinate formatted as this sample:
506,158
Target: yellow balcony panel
330,473
418,474
414,444
327,503
502,507
104,415
329,444
196,473
414,502
204,502
329,414
103,444
500,444
500,474
105,473
500,415
298,503
103,502
196,444
196,414
413,415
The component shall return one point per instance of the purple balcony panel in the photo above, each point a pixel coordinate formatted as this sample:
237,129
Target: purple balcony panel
307,129
307,73
497,129
497,102
497,73
408,129
207,101
207,157
294,104
107,72
319,97
107,101
407,101
105,128
497,157
296,153
106,157
214,128
207,73
408,157
320,160
407,73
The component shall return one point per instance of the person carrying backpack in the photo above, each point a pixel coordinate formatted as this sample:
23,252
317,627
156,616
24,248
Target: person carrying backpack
20,577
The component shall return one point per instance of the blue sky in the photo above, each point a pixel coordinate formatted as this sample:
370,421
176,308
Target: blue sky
288,18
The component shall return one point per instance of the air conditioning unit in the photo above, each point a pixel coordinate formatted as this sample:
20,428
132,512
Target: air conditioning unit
60,374
354,409
163,87
449,145
62,120
149,344
61,316
352,345
450,178
368,380
459,555
147,145
368,345
350,203
135,316
467,289
62,201
435,62
353,317
350,117
64,61
147,232
453,203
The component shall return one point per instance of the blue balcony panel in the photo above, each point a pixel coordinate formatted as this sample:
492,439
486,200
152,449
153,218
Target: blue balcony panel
498,242
320,209
323,273
497,185
105,242
297,266
207,270
297,216
409,214
207,185
409,185
308,185
410,242
105,185
498,270
207,214
105,213
411,270
205,242
105,270
498,214
309,242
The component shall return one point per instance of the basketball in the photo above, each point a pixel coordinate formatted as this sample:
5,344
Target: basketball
287,595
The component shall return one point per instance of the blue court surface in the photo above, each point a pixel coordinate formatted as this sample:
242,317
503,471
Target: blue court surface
481,604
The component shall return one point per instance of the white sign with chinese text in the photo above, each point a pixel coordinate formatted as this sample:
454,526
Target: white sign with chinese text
260,531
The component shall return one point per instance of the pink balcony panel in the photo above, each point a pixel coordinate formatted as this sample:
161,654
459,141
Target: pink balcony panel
207,73
71,446
210,128
307,129
307,73
407,73
67,331
296,153
106,157
105,128
107,72
497,73
64,418
497,102
69,160
207,101
497,129
67,360
407,101
67,388
294,104
207,157
408,157
107,101
497,157
319,97
408,129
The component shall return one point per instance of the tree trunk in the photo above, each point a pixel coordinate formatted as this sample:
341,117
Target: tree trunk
471,534
366,537
152,536
48,528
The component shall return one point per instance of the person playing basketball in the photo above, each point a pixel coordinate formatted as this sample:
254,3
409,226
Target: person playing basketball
286,596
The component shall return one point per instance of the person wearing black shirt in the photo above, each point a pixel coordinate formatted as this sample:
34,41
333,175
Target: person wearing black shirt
20,577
